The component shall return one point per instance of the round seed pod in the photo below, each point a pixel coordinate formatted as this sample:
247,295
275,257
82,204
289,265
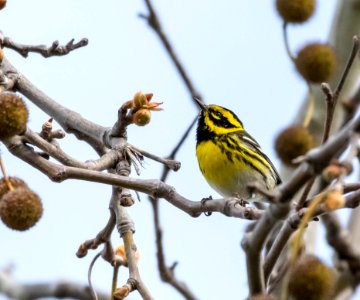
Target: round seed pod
142,117
311,279
15,182
13,115
2,4
292,142
295,11
20,209
316,62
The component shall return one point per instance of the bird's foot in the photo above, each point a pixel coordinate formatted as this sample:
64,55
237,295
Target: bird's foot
203,201
239,201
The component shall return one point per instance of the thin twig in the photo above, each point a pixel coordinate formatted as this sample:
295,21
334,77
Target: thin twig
13,289
114,280
6,178
154,23
286,42
102,237
332,97
165,272
92,290
339,239
119,128
169,163
305,193
351,105
106,161
54,50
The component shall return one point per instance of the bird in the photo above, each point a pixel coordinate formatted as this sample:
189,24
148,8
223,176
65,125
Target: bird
229,157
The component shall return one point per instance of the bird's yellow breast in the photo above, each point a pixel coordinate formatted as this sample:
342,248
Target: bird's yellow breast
227,176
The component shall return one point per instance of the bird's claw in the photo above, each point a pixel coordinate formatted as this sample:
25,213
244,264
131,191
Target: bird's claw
203,201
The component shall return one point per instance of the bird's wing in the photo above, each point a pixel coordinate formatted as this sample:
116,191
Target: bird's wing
250,141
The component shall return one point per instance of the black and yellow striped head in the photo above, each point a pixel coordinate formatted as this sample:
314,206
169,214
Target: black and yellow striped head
215,120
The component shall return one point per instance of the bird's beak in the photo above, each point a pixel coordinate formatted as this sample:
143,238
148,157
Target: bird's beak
201,104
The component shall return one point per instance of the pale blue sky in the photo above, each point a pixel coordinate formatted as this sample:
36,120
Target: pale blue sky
234,53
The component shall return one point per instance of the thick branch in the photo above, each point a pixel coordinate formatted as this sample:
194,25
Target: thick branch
59,289
71,121
315,161
339,239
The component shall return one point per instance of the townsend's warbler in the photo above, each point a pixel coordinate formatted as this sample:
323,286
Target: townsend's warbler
229,158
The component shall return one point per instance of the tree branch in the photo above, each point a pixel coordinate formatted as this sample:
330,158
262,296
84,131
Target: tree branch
69,120
154,23
339,239
54,50
126,229
59,289
106,161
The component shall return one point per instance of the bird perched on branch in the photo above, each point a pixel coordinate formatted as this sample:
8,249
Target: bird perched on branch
230,158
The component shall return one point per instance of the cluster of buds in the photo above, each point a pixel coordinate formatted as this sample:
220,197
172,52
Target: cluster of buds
335,170
334,197
120,253
141,107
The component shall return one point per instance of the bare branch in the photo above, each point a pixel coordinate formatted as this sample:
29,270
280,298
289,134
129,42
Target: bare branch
332,97
167,274
102,237
352,200
154,23
338,237
54,50
92,290
125,226
69,120
316,160
53,149
169,163
59,289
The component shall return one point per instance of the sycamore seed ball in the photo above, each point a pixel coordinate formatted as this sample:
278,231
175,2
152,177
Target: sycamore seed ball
316,62
295,11
20,209
15,182
2,4
311,279
292,142
13,115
